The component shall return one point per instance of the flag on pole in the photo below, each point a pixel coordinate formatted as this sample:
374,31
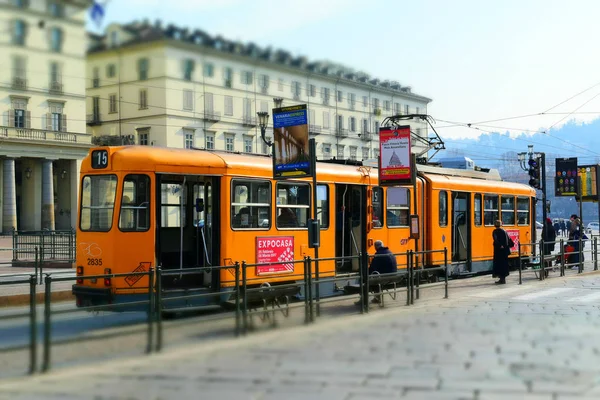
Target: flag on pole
97,13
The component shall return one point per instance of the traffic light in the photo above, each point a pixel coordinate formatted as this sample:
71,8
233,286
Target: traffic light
534,173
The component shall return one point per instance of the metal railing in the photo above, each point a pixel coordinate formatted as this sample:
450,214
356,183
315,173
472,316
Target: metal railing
52,246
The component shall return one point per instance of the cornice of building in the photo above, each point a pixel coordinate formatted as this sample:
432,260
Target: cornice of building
199,41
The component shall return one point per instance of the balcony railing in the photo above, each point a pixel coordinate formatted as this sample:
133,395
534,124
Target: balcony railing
339,132
94,119
314,129
19,83
56,87
366,136
40,135
210,115
249,121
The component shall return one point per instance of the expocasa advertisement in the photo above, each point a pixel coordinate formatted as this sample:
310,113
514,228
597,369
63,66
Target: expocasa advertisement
394,155
276,249
291,156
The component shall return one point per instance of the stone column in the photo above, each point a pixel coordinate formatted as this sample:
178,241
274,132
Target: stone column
9,196
47,195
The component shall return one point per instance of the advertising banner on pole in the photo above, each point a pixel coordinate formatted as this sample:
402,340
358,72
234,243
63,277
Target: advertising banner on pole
589,182
275,249
395,166
291,158
565,179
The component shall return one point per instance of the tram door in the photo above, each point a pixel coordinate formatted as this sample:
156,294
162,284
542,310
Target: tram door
187,228
350,233
460,227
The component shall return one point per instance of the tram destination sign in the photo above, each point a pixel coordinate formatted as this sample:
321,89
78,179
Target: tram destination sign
565,180
395,166
291,154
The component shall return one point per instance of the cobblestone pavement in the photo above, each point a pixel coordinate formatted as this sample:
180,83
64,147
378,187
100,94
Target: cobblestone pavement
534,341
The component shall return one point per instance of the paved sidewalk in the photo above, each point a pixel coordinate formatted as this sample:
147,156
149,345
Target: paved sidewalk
531,342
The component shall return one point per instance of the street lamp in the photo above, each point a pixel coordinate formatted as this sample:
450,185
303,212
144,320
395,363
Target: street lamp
263,120
278,101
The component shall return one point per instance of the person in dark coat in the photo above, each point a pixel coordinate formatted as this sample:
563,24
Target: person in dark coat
549,238
384,262
501,252
556,227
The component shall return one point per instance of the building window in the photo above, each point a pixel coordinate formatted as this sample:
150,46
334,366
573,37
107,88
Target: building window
417,110
365,153
19,32
248,144
353,152
325,119
56,121
188,100
55,9
376,153
375,103
327,151
208,70
229,142
325,94
209,141
352,124
365,126
386,105
397,108
188,69
143,66
111,70
263,83
351,100
96,77
143,99
188,136
280,84
56,39
112,103
20,118
228,77
246,77
418,132
406,109
228,105
365,101
376,131
95,109
143,136
312,90
114,39
340,151
20,3
55,77
264,106
296,90
339,96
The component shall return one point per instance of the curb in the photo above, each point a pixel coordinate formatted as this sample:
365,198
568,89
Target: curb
23,299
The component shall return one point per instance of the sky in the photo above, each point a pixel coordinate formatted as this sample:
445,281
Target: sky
481,62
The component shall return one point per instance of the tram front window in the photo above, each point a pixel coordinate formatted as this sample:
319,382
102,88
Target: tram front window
97,202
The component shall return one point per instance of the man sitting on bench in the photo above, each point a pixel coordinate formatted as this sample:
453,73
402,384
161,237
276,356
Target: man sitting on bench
384,262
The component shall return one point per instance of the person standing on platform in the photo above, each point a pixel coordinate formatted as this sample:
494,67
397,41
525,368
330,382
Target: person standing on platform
549,238
502,245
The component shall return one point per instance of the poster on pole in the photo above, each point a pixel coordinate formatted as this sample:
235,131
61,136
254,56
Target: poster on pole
275,249
291,154
588,175
565,179
394,156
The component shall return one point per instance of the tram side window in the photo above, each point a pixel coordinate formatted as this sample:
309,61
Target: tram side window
250,204
135,204
490,209
508,210
398,207
443,208
477,208
173,200
377,207
98,194
523,210
323,206
293,205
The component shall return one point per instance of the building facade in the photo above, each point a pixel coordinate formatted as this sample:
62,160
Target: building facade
166,86
42,104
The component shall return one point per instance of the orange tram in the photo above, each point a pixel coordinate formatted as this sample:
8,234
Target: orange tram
142,207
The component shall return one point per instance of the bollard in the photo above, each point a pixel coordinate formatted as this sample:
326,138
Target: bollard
595,253
158,308
306,295
245,303
317,289
47,327
364,263
562,258
33,324
542,265
237,299
407,279
310,289
412,278
150,308
520,264
361,283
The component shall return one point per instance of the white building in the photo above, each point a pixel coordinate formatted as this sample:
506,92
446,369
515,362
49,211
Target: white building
42,104
171,87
